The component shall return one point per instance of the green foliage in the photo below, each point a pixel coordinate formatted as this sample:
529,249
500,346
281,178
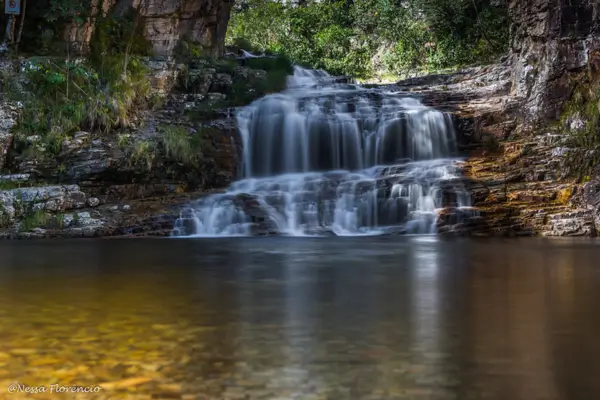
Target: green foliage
46,21
278,68
373,37
175,143
115,39
35,219
5,221
8,185
59,221
581,120
179,146
143,154
187,50
68,10
61,97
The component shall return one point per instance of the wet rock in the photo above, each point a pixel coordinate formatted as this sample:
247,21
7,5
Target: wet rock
263,229
321,231
163,75
221,83
186,225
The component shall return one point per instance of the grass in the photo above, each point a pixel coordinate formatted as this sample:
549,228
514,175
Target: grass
5,220
143,154
36,219
122,140
179,146
175,144
8,185
60,221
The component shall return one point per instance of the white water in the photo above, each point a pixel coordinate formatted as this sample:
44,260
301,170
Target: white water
327,157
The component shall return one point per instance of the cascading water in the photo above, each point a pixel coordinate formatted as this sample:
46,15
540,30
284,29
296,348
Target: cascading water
330,157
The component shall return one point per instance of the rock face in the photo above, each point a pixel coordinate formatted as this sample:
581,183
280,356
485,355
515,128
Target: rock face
521,187
166,23
102,184
551,40
8,117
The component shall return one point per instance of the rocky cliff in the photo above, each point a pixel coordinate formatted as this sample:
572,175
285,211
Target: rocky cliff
552,42
518,125
132,182
165,23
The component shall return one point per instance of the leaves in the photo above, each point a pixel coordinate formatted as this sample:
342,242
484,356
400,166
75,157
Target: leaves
365,37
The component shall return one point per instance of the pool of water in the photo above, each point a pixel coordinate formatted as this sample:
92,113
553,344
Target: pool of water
290,318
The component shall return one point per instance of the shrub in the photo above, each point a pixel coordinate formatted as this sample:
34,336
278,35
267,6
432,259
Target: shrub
61,97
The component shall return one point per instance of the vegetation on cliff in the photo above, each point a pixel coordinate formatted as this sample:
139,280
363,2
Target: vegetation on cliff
374,37
580,121
61,95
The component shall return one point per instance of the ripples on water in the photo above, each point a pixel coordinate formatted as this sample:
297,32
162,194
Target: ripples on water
346,318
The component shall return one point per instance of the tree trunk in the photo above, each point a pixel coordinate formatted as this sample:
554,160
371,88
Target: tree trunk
9,34
21,25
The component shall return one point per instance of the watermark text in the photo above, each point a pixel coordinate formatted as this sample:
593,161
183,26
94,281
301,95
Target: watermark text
54,388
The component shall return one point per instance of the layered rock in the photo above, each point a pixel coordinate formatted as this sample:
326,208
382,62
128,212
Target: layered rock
520,186
127,183
165,23
551,42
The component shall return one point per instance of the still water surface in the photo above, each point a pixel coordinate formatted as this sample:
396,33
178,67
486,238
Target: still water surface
347,318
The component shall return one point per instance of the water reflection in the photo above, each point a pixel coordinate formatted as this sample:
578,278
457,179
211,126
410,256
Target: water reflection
366,318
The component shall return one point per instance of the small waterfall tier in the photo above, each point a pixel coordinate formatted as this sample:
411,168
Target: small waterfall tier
330,157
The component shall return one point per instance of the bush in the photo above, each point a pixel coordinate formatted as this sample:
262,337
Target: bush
61,97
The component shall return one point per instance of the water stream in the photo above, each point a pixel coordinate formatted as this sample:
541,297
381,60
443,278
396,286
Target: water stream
329,157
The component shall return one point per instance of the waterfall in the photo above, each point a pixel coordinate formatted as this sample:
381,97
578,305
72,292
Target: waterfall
331,157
